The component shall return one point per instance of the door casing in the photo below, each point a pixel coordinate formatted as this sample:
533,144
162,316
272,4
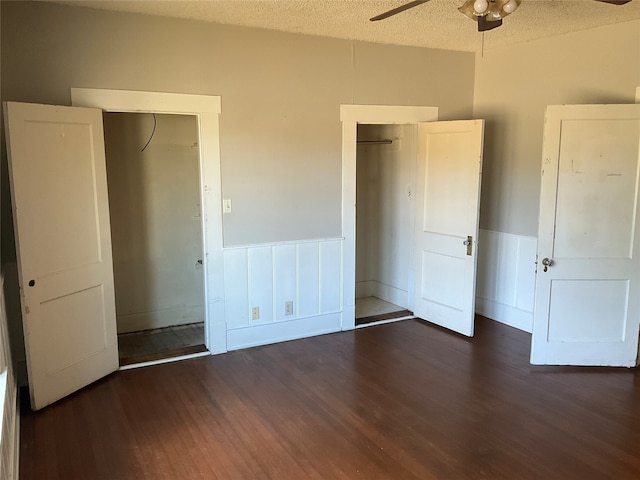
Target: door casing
351,116
207,110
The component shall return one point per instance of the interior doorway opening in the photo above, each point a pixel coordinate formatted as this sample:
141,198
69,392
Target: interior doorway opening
385,182
153,178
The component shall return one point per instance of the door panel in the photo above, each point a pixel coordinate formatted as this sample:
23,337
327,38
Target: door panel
601,306
447,203
587,301
61,217
595,179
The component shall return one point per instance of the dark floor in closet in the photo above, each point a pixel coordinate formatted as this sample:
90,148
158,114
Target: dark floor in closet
383,316
160,343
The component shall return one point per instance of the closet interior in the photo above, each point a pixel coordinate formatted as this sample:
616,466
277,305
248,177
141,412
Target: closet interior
385,181
153,175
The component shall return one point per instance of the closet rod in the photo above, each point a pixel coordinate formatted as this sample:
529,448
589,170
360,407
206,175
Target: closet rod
375,142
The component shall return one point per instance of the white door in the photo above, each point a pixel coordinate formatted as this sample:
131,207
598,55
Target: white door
447,210
587,303
61,216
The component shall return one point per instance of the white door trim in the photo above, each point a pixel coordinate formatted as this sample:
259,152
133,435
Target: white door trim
207,109
351,116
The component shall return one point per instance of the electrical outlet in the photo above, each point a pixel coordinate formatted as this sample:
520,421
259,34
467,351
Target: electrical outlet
255,313
288,308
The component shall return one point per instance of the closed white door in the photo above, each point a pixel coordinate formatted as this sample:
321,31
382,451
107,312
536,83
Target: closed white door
61,217
587,303
447,212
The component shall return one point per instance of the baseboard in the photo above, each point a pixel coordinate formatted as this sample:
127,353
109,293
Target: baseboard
390,294
514,317
283,331
372,288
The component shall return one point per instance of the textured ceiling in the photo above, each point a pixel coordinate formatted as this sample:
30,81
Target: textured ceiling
435,24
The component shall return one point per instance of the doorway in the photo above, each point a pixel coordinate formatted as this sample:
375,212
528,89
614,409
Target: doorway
153,179
367,116
444,256
204,110
385,180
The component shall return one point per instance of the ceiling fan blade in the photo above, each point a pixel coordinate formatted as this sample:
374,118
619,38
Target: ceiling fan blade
395,11
614,2
485,25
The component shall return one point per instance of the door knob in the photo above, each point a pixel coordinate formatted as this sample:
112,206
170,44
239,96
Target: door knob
547,262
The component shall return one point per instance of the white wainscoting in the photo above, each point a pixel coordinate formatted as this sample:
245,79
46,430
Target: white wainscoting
307,273
9,415
505,283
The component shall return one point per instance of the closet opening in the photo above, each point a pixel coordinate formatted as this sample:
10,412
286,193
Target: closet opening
153,177
385,181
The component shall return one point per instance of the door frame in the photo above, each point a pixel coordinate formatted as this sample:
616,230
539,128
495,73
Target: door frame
206,108
351,116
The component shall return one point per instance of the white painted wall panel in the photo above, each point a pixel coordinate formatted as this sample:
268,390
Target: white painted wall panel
506,267
282,331
236,294
9,415
525,276
308,258
261,282
309,273
506,278
284,280
330,274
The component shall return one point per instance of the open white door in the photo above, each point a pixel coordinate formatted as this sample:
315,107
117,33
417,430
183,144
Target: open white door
447,211
587,303
61,216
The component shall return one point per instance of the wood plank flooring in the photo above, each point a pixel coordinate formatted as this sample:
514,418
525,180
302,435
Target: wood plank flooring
404,400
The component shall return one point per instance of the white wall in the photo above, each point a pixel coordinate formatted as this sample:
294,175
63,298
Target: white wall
513,85
280,125
280,122
384,212
154,204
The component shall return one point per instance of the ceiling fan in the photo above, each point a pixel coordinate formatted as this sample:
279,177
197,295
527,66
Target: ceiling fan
488,13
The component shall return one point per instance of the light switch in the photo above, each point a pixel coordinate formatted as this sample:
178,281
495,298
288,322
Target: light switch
226,205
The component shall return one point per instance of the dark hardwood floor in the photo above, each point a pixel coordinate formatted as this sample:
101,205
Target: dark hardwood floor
404,400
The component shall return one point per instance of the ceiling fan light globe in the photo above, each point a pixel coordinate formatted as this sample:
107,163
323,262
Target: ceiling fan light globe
510,6
467,10
480,6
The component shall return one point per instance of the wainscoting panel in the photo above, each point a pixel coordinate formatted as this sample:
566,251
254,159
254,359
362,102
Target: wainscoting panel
9,414
330,274
261,275
307,273
505,284
236,292
308,262
282,331
284,280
